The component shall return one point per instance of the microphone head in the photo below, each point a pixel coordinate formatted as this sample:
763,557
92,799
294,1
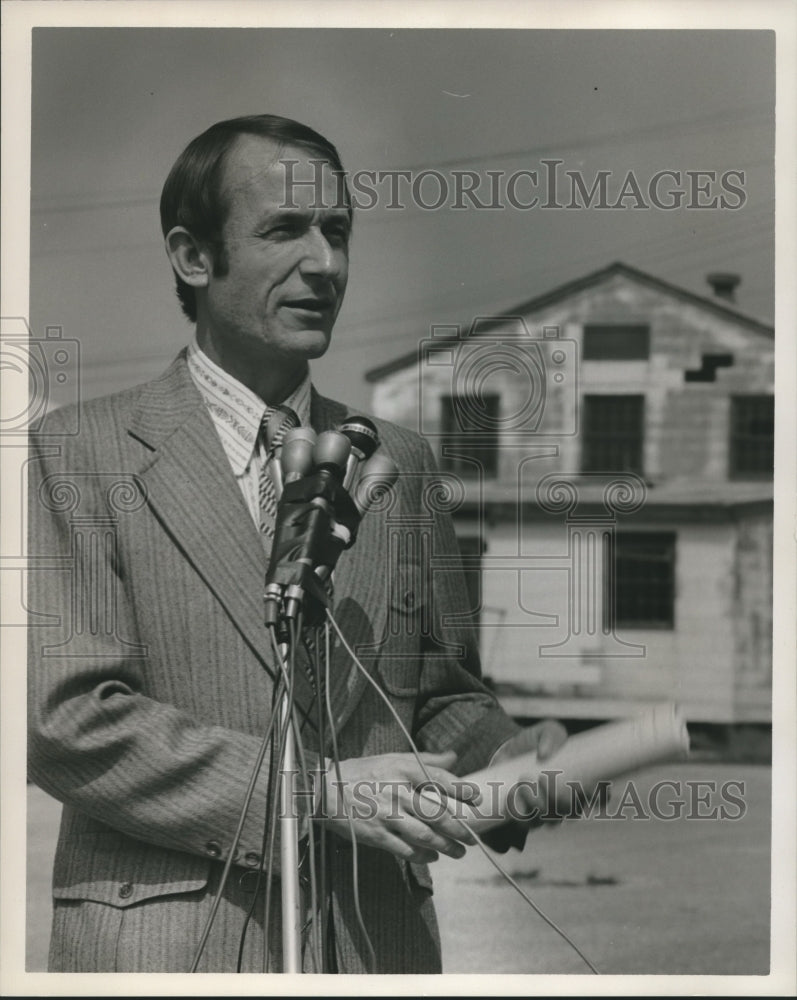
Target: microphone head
331,451
282,420
379,473
362,434
296,459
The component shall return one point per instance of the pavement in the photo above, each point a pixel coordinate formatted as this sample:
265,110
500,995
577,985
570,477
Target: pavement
636,895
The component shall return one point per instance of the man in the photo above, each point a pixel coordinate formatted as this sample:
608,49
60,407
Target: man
154,678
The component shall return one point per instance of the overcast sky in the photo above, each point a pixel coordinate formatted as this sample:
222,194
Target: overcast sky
112,108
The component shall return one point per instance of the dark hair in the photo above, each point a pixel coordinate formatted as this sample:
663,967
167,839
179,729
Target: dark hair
192,196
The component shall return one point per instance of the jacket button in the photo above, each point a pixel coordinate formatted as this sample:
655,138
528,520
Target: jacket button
125,890
213,848
252,859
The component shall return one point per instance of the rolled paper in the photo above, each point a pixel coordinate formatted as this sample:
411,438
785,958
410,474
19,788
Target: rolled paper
585,759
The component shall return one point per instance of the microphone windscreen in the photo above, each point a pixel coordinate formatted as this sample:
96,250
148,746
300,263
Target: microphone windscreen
331,451
362,434
379,473
296,458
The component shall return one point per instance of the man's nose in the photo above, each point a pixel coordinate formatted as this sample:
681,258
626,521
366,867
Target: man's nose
318,255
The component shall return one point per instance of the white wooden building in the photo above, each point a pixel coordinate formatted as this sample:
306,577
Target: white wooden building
609,447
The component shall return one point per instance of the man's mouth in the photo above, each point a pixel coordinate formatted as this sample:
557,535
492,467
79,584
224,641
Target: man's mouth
310,304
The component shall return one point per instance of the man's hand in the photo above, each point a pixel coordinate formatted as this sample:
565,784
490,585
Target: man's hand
543,738
380,797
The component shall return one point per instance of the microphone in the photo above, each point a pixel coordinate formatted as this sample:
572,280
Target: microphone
327,464
364,441
296,458
331,454
281,422
378,475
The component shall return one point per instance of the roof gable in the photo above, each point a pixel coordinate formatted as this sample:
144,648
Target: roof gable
570,288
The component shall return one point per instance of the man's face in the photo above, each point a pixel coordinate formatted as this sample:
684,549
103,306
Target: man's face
287,267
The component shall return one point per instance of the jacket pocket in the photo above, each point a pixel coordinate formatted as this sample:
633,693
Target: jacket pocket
119,871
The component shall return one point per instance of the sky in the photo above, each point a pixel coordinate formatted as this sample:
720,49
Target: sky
113,107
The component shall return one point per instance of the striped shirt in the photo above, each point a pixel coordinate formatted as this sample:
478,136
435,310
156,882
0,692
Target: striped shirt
237,413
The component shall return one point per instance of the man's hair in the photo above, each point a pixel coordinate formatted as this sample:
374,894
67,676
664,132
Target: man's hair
193,195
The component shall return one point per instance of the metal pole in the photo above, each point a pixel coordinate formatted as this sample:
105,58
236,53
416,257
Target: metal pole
289,843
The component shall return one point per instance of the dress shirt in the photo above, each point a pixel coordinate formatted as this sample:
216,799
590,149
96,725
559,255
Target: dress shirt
237,413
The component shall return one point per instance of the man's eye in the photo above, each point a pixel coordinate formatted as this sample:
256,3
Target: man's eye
285,229
339,235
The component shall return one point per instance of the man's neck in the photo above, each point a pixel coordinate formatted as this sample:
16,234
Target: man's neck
272,382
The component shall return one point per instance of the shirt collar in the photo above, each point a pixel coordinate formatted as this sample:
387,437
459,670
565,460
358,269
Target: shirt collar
236,411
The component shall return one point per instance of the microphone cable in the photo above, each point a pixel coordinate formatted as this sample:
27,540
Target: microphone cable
271,796
314,657
237,836
310,925
459,819
371,964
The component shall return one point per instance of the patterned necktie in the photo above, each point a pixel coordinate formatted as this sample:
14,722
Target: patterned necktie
276,423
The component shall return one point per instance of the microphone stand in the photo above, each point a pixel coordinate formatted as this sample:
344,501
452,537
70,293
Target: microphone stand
289,837
386,472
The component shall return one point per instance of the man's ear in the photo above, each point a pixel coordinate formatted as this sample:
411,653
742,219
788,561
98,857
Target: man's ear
191,261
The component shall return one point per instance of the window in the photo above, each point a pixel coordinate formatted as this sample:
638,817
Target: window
470,431
645,579
471,548
752,448
613,434
707,372
616,342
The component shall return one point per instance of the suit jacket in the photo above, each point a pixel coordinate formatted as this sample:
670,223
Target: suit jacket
151,680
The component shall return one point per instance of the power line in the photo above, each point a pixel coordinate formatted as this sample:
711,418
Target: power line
723,120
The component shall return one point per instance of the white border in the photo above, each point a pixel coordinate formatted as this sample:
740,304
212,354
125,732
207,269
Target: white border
19,17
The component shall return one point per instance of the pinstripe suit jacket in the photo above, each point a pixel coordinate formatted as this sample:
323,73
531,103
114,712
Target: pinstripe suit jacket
151,679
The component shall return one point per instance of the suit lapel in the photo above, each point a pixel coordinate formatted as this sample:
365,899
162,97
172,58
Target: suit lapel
193,492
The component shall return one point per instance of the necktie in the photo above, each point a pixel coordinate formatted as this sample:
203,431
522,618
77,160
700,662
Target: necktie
276,423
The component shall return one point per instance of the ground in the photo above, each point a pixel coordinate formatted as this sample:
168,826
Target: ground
686,896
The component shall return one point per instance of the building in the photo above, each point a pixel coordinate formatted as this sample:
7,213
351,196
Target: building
608,453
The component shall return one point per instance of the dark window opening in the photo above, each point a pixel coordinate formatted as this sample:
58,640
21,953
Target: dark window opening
613,434
616,342
470,435
752,451
707,372
644,567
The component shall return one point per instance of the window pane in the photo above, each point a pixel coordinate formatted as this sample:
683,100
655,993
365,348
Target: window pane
613,434
616,342
645,579
752,437
470,430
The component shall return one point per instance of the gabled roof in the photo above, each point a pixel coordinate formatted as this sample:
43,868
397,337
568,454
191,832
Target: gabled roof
710,303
